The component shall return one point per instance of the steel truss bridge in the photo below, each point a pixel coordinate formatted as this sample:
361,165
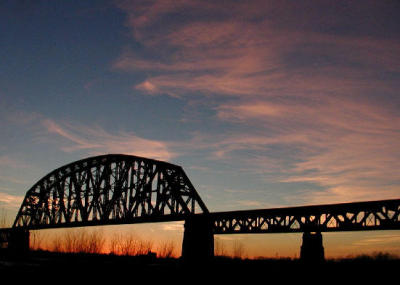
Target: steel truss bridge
123,189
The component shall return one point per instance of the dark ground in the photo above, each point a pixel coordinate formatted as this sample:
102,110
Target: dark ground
46,267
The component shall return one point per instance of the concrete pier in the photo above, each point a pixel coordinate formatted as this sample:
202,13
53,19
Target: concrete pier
312,249
198,240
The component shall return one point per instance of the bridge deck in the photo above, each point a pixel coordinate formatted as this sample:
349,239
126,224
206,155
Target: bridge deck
359,216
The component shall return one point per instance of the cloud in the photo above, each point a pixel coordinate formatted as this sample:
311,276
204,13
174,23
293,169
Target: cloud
8,161
378,240
96,140
253,204
248,110
13,180
10,201
173,226
148,87
312,99
250,51
345,192
79,143
345,147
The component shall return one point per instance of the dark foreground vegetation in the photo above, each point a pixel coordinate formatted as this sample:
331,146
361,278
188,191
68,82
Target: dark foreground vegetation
49,267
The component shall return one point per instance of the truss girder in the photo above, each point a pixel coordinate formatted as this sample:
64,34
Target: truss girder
109,189
375,215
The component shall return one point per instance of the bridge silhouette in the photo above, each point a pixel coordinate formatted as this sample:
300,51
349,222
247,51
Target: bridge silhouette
123,189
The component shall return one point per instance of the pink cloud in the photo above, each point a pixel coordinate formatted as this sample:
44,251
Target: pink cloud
285,84
348,148
80,143
96,140
10,201
250,110
8,161
143,13
148,87
344,194
238,56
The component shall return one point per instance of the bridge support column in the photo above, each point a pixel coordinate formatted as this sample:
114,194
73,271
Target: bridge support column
18,241
312,249
198,240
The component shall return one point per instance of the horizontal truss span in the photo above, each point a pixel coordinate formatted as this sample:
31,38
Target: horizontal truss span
360,216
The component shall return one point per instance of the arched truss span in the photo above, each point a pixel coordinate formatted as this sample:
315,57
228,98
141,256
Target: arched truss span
109,189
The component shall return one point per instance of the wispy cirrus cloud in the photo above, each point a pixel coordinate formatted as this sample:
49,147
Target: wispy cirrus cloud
9,161
242,53
312,99
10,201
381,239
350,150
345,147
96,140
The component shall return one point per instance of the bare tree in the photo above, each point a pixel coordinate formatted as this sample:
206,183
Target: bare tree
3,219
238,249
36,240
166,249
71,241
144,247
95,242
78,241
129,245
57,244
115,244
219,247
82,241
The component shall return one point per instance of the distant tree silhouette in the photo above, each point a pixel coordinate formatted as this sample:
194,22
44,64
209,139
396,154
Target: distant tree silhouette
166,250
238,249
219,247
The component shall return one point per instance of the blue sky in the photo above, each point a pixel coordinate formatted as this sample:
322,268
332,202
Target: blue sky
263,103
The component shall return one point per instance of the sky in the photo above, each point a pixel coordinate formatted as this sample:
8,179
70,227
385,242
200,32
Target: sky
263,103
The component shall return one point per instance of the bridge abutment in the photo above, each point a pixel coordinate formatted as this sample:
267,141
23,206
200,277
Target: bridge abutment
312,249
15,240
198,239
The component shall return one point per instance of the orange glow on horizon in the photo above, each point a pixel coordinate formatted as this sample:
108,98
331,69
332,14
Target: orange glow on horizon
166,241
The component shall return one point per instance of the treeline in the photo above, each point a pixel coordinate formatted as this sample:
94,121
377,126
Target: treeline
96,242
84,240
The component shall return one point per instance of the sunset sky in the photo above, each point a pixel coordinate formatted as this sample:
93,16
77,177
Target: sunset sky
263,103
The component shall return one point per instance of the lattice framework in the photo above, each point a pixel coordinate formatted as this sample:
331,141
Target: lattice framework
375,215
109,189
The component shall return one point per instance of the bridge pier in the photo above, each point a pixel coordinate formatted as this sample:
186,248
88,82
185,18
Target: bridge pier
312,249
15,240
198,240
